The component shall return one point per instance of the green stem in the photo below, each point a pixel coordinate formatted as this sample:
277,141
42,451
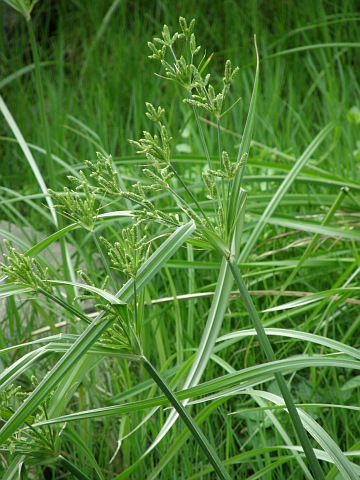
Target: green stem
206,150
202,137
192,196
104,260
70,467
40,96
270,355
189,422
65,305
223,195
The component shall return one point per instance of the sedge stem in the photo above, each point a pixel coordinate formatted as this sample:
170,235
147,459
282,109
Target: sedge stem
270,355
189,422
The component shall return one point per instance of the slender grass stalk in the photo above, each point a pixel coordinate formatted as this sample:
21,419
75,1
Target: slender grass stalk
24,146
330,214
203,141
189,192
40,97
189,422
103,259
73,469
270,355
181,439
100,32
65,306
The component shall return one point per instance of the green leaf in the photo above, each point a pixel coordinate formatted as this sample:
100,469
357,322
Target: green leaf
314,297
149,268
352,384
8,290
22,6
303,336
313,227
14,469
216,242
236,198
102,293
39,247
227,385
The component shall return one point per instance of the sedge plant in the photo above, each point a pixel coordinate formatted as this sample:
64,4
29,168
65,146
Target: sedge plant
222,232
133,262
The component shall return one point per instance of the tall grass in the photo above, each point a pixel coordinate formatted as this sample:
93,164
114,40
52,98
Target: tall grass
85,396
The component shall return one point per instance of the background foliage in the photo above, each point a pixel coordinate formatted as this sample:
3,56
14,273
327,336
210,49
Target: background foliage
95,80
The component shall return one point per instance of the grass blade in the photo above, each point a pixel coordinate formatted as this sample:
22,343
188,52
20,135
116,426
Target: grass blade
227,386
235,198
280,193
28,155
304,336
346,469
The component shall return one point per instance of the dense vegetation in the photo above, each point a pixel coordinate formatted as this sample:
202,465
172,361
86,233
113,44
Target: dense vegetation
161,234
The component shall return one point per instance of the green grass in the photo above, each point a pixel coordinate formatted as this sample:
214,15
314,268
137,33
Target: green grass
296,248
